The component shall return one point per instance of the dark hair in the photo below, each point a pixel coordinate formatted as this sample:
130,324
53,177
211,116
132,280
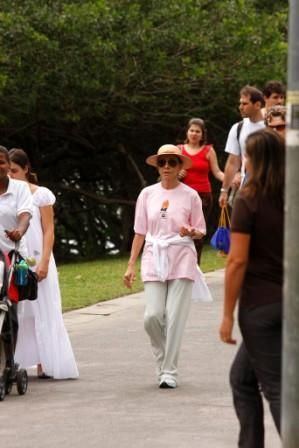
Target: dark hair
273,87
266,151
275,111
253,93
4,151
200,123
19,157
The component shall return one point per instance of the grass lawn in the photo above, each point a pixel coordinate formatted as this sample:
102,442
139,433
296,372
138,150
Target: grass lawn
86,283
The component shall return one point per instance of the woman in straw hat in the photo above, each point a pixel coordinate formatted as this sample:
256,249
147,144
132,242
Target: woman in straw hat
168,218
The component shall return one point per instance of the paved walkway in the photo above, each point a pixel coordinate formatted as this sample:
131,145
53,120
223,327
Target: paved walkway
116,402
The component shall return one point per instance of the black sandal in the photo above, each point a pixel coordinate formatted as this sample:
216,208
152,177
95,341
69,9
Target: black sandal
43,376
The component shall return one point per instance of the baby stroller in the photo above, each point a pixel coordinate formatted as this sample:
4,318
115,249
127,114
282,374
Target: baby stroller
11,374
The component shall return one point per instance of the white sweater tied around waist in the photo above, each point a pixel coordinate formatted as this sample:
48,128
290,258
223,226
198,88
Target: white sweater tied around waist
200,290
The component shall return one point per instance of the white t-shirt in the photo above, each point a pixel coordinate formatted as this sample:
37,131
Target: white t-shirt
16,200
232,144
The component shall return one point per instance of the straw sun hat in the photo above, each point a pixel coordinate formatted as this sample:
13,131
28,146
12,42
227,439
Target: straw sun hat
169,150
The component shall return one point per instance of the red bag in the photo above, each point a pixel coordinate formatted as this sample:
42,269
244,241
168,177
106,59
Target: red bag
12,292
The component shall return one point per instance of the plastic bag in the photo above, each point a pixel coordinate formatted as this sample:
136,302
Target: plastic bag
221,238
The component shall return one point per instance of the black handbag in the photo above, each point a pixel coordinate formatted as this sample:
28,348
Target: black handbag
30,290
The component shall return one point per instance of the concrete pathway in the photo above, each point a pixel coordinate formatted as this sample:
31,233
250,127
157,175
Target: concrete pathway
116,402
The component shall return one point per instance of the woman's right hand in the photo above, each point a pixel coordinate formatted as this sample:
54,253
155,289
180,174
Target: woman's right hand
223,199
14,234
226,330
129,277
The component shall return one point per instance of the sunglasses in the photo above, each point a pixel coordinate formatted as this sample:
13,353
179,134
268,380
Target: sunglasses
279,127
170,162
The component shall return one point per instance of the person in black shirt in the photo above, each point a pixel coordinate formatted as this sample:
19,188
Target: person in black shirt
254,276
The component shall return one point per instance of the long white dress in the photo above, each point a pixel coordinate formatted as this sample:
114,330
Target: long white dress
42,337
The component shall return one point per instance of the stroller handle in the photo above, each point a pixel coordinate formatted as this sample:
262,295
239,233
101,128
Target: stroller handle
12,262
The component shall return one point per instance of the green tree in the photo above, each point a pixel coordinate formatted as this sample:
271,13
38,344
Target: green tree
89,88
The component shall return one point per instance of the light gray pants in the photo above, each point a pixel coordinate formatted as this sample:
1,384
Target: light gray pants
166,311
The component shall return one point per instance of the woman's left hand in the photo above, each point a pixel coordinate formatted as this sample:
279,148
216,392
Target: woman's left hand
226,330
41,271
191,232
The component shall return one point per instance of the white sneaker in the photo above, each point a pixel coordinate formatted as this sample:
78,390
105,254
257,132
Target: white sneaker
167,383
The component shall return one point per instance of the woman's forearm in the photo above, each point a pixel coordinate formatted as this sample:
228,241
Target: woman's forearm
23,222
137,244
48,243
217,173
47,223
234,276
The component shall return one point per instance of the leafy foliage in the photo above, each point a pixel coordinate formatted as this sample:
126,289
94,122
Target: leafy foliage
89,88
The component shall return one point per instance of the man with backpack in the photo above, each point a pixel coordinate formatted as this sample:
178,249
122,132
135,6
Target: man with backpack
250,106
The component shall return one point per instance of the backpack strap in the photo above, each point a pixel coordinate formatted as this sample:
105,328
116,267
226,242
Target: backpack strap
239,129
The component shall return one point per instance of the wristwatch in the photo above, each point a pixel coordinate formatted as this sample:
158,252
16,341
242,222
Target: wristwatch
223,190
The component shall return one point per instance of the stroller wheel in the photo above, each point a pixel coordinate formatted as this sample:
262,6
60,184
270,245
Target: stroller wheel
2,390
22,381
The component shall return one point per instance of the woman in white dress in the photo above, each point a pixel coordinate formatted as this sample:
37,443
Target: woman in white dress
42,339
